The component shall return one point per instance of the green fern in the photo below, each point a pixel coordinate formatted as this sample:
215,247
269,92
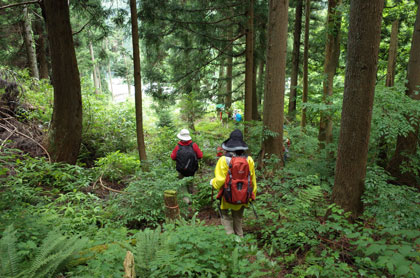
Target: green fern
9,260
148,242
53,254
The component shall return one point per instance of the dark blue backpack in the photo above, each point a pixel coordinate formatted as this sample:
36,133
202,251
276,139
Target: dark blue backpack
186,160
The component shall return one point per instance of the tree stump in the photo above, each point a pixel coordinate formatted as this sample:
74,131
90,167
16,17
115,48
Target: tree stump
129,271
171,204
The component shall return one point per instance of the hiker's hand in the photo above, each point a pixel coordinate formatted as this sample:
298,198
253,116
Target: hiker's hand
211,182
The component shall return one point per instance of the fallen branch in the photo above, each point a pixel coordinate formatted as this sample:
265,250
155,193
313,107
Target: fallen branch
30,138
7,138
110,189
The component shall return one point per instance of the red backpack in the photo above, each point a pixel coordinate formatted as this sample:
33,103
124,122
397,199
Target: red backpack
238,187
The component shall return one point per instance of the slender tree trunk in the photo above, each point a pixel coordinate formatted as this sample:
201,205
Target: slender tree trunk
408,145
137,81
229,71
392,55
66,125
332,54
95,76
249,63
29,43
127,77
305,63
260,82
275,78
41,51
295,60
390,76
362,58
110,81
255,115
221,92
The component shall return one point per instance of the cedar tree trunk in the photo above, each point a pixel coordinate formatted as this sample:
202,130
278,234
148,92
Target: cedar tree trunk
332,53
362,58
29,43
305,62
392,55
137,81
295,60
249,63
41,51
409,144
275,77
66,125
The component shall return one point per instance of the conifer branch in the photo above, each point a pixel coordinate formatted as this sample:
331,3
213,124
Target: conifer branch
20,4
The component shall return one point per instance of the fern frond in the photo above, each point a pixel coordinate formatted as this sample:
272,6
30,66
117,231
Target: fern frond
148,242
9,259
53,254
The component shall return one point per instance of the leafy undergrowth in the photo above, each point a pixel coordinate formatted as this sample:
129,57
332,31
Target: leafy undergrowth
62,220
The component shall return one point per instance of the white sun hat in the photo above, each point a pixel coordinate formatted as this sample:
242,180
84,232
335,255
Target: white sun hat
184,135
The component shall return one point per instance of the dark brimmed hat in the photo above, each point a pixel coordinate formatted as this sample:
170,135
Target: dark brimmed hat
235,142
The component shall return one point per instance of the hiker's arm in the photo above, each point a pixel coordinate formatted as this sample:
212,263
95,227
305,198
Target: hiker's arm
197,150
253,177
173,154
220,173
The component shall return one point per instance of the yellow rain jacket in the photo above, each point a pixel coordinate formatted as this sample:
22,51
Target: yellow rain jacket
220,173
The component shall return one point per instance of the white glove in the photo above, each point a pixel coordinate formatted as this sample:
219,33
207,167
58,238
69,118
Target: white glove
211,182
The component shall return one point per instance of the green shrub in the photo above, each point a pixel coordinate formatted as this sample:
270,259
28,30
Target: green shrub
117,166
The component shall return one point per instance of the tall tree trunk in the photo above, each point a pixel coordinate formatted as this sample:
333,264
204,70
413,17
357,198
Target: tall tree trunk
110,80
332,54
41,51
260,82
29,43
127,76
295,60
390,77
275,78
229,71
305,63
66,125
392,55
221,91
95,76
362,58
249,63
137,81
408,145
255,115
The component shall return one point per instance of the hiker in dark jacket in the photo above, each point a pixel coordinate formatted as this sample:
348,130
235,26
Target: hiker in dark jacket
190,166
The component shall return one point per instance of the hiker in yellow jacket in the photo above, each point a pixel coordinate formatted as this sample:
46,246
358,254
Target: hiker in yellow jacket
231,214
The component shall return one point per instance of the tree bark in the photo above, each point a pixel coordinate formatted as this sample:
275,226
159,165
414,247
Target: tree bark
408,145
66,125
305,62
41,51
255,115
332,54
295,60
249,64
359,87
260,91
137,81
221,90
95,76
392,55
127,77
229,71
390,77
275,78
29,43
